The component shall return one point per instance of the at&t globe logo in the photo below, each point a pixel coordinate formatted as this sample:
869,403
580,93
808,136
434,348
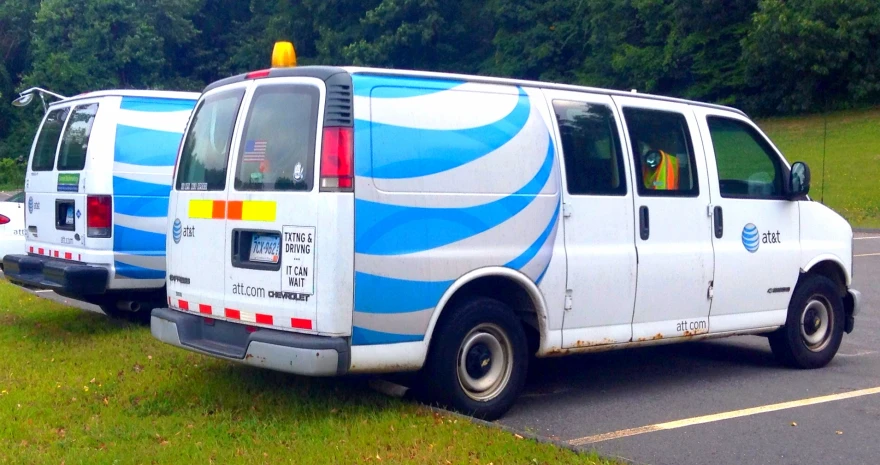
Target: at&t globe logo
177,230
751,238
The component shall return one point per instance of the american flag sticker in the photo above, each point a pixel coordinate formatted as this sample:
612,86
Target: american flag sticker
254,151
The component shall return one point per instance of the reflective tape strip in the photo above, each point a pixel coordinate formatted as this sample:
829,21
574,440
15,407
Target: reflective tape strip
264,319
31,250
230,313
207,209
184,305
301,323
68,256
205,309
41,251
252,210
56,254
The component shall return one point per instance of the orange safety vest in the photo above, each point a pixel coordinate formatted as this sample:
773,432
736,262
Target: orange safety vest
664,176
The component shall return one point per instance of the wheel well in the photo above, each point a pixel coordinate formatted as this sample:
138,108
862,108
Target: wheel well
832,271
511,294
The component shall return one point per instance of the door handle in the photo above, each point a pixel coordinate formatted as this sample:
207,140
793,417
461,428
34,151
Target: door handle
644,223
719,222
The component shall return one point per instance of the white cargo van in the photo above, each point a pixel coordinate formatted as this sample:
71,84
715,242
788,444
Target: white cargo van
96,196
347,220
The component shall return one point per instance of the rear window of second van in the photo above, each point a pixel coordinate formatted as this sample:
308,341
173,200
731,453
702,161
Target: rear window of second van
205,152
75,144
47,140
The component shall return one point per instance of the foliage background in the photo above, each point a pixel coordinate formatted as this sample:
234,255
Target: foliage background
768,57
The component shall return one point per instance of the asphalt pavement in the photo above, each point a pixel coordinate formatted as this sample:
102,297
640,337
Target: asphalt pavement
621,403
696,403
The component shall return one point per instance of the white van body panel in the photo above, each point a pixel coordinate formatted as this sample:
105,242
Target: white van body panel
825,236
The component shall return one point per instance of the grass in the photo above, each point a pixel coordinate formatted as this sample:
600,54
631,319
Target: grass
852,159
80,388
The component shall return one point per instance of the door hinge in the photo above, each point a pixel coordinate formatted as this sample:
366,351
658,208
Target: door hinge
711,293
568,300
709,209
566,209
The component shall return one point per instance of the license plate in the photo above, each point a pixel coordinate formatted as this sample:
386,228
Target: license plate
264,248
69,219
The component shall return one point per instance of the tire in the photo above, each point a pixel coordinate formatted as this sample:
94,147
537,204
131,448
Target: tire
478,359
814,327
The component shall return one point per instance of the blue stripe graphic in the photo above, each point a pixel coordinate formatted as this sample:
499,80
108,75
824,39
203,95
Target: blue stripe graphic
363,336
399,87
146,147
136,272
156,105
533,249
384,229
123,186
371,294
153,207
437,150
135,240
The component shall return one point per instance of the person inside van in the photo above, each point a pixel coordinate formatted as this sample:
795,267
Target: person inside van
661,166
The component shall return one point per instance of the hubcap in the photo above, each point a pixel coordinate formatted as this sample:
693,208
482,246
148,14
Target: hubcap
485,362
816,323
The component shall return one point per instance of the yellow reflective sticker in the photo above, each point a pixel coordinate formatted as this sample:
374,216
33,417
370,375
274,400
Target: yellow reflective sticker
201,209
258,210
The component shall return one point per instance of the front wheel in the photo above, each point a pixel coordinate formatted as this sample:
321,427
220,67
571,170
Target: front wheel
479,358
813,330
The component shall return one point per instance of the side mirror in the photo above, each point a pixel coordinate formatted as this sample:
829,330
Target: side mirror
799,180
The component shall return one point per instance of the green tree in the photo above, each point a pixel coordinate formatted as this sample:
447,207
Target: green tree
813,54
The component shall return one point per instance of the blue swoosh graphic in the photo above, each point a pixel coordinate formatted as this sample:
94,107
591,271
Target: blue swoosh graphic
136,272
156,105
152,207
123,186
363,336
399,86
399,152
130,239
533,249
145,147
371,294
384,229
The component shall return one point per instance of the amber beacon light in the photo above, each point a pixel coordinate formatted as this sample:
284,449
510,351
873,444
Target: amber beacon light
283,55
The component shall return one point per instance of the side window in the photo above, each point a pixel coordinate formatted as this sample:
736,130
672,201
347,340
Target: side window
663,153
747,165
75,144
277,151
591,148
205,153
47,141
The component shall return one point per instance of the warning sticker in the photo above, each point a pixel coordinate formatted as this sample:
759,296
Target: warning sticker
298,259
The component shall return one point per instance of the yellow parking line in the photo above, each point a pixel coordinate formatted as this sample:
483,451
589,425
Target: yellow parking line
721,416
867,255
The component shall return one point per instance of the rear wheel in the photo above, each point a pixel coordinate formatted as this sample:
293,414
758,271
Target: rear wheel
814,328
478,360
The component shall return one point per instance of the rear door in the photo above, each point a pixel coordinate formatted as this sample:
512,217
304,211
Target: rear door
55,181
273,207
197,207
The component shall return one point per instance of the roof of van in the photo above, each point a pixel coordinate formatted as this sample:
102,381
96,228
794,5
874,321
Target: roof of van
324,72
165,94
527,83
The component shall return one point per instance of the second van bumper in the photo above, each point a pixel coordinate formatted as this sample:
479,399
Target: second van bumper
301,354
58,275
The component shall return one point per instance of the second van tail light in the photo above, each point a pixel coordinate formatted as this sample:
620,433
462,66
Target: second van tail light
99,215
4,219
337,159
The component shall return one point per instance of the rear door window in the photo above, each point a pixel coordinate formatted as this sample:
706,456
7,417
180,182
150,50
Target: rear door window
75,144
47,141
278,148
205,153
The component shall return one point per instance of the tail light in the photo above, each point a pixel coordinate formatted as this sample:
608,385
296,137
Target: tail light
99,215
4,219
337,163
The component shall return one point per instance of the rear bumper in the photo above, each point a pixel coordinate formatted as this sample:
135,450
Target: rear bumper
58,275
301,354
